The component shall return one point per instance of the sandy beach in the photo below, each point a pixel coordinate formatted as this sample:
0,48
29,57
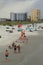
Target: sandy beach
31,52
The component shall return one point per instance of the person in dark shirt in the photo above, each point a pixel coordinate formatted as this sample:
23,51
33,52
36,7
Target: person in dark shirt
15,48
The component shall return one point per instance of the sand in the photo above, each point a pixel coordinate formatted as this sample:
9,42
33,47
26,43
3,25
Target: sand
31,52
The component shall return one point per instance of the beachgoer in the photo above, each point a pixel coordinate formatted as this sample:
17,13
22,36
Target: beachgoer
18,48
10,47
13,45
15,48
6,54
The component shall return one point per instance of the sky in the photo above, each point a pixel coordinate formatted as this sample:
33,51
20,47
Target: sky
18,6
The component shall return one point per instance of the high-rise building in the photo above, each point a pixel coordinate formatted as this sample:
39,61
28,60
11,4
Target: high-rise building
35,15
18,16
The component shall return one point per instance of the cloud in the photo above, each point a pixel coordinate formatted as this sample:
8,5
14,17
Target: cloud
7,6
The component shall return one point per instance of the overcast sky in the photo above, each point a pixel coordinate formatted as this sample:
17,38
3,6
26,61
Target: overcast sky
7,6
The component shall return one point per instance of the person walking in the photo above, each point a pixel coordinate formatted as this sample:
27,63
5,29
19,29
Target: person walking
13,45
15,48
6,54
18,48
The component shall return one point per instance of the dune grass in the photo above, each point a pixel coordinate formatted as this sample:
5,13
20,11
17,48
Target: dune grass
14,22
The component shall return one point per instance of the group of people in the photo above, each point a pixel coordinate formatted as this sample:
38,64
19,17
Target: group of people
14,47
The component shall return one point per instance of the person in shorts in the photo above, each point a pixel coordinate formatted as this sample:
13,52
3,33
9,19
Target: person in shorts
6,54
15,48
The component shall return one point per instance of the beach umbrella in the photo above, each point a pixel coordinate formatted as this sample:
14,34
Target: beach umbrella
19,25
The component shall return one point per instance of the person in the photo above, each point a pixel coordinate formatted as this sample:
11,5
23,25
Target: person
10,47
18,48
15,48
13,45
6,54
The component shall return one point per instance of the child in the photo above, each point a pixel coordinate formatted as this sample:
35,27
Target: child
6,54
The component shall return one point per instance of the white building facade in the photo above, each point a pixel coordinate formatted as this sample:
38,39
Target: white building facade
18,16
